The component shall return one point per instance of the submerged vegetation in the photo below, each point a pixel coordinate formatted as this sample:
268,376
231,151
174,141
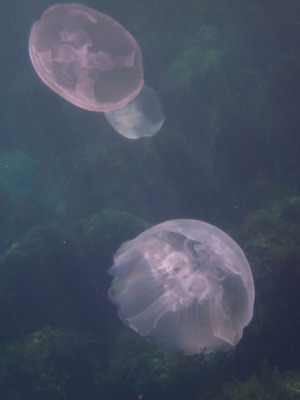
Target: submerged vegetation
101,357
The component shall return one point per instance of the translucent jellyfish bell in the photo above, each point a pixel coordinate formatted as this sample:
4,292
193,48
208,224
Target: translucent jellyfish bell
185,285
86,57
141,117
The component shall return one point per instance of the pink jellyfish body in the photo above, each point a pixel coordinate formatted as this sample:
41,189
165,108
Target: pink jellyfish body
185,285
86,57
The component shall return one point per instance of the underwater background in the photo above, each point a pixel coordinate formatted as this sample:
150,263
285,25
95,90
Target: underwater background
72,190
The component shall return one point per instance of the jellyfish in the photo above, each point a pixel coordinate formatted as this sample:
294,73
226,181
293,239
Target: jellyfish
185,285
141,117
86,57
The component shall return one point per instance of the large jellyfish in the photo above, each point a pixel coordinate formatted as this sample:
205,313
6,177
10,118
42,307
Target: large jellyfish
141,117
86,57
185,285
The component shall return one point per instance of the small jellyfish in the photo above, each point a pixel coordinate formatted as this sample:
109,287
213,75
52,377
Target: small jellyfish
185,285
141,117
86,57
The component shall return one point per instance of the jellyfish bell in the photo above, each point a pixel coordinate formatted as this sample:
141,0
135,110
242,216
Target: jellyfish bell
86,57
185,285
141,117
